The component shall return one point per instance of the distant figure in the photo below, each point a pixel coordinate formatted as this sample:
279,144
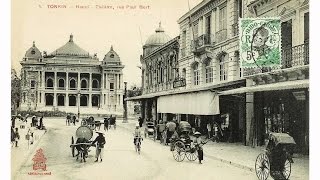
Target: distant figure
41,123
74,118
106,124
140,121
12,137
209,128
16,136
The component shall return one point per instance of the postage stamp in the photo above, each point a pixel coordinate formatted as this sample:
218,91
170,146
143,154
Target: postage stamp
260,42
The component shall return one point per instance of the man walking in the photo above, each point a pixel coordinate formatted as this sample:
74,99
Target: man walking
209,128
106,124
100,140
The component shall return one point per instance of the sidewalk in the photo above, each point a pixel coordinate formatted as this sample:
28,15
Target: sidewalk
241,156
20,154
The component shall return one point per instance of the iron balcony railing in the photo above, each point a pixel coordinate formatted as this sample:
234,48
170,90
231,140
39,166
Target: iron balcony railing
221,35
295,56
201,41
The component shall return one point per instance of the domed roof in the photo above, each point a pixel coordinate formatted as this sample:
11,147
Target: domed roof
70,49
158,38
33,52
111,56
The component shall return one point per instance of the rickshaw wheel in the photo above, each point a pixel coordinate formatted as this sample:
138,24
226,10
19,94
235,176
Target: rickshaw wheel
192,156
287,169
262,166
72,147
179,151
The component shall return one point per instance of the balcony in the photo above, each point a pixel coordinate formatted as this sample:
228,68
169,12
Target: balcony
221,35
235,29
291,57
295,56
200,43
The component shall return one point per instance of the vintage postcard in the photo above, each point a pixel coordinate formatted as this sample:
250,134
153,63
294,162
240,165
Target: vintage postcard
150,89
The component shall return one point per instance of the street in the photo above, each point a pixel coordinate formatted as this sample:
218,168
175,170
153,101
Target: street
120,159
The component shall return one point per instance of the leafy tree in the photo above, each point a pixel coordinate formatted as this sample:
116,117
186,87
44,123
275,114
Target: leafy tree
15,91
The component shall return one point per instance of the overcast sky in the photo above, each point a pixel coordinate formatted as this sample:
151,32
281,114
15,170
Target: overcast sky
94,30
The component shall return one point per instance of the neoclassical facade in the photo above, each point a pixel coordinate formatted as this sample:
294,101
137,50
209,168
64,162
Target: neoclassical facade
71,80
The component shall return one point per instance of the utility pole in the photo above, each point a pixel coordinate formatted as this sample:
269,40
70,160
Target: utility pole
125,107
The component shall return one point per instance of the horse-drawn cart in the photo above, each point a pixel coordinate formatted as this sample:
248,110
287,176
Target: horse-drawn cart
277,159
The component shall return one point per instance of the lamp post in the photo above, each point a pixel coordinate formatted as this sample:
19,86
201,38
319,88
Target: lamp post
79,105
125,108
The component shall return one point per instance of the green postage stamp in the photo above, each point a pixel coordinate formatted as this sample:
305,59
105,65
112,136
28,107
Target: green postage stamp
260,42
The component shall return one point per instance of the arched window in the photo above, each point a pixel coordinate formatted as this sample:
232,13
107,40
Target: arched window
196,74
49,82
72,100
60,100
95,83
84,84
49,100
223,67
83,100
61,83
73,84
209,71
95,100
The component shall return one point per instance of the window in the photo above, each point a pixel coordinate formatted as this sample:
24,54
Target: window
72,84
306,27
84,84
40,97
112,56
33,84
223,67
183,43
239,8
95,83
195,30
83,100
111,86
196,74
95,100
33,52
49,82
208,25
209,71
60,100
222,18
72,100
49,100
24,97
61,83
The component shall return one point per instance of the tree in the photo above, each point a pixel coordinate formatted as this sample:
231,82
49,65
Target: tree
15,91
134,91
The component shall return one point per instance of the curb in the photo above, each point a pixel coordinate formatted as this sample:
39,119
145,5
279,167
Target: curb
238,165
28,155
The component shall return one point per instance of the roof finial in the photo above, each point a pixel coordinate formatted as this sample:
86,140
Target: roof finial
33,44
71,38
111,49
159,29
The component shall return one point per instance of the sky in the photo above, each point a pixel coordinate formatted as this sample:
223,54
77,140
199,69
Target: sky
94,30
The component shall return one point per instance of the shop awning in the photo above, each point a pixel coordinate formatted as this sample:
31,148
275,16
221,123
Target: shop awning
299,84
197,103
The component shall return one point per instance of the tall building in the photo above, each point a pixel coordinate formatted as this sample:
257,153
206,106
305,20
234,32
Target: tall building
182,78
70,79
277,99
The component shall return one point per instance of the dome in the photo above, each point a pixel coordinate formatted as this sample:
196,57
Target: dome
158,38
33,52
70,49
111,56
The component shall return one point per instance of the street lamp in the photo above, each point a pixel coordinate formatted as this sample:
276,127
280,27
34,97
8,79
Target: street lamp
79,105
125,107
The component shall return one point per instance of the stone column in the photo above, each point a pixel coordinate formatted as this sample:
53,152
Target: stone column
67,81
79,81
90,100
90,81
102,80
55,80
249,114
54,99
66,100
43,82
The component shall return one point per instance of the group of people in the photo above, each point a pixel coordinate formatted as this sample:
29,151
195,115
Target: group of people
108,122
70,119
15,136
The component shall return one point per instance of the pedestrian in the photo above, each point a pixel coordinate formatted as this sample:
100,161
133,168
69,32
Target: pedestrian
13,121
12,137
140,121
106,124
101,141
198,144
209,128
30,133
16,136
41,123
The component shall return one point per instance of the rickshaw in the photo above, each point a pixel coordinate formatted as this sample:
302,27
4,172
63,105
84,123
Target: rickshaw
277,159
182,146
84,134
150,130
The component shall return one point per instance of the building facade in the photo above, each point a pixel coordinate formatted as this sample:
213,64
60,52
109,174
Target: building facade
183,77
71,80
277,99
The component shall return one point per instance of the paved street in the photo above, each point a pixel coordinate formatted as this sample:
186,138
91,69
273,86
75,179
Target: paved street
121,161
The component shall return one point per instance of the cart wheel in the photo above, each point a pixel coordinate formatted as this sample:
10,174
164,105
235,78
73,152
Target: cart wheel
179,151
287,169
262,166
192,156
72,147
